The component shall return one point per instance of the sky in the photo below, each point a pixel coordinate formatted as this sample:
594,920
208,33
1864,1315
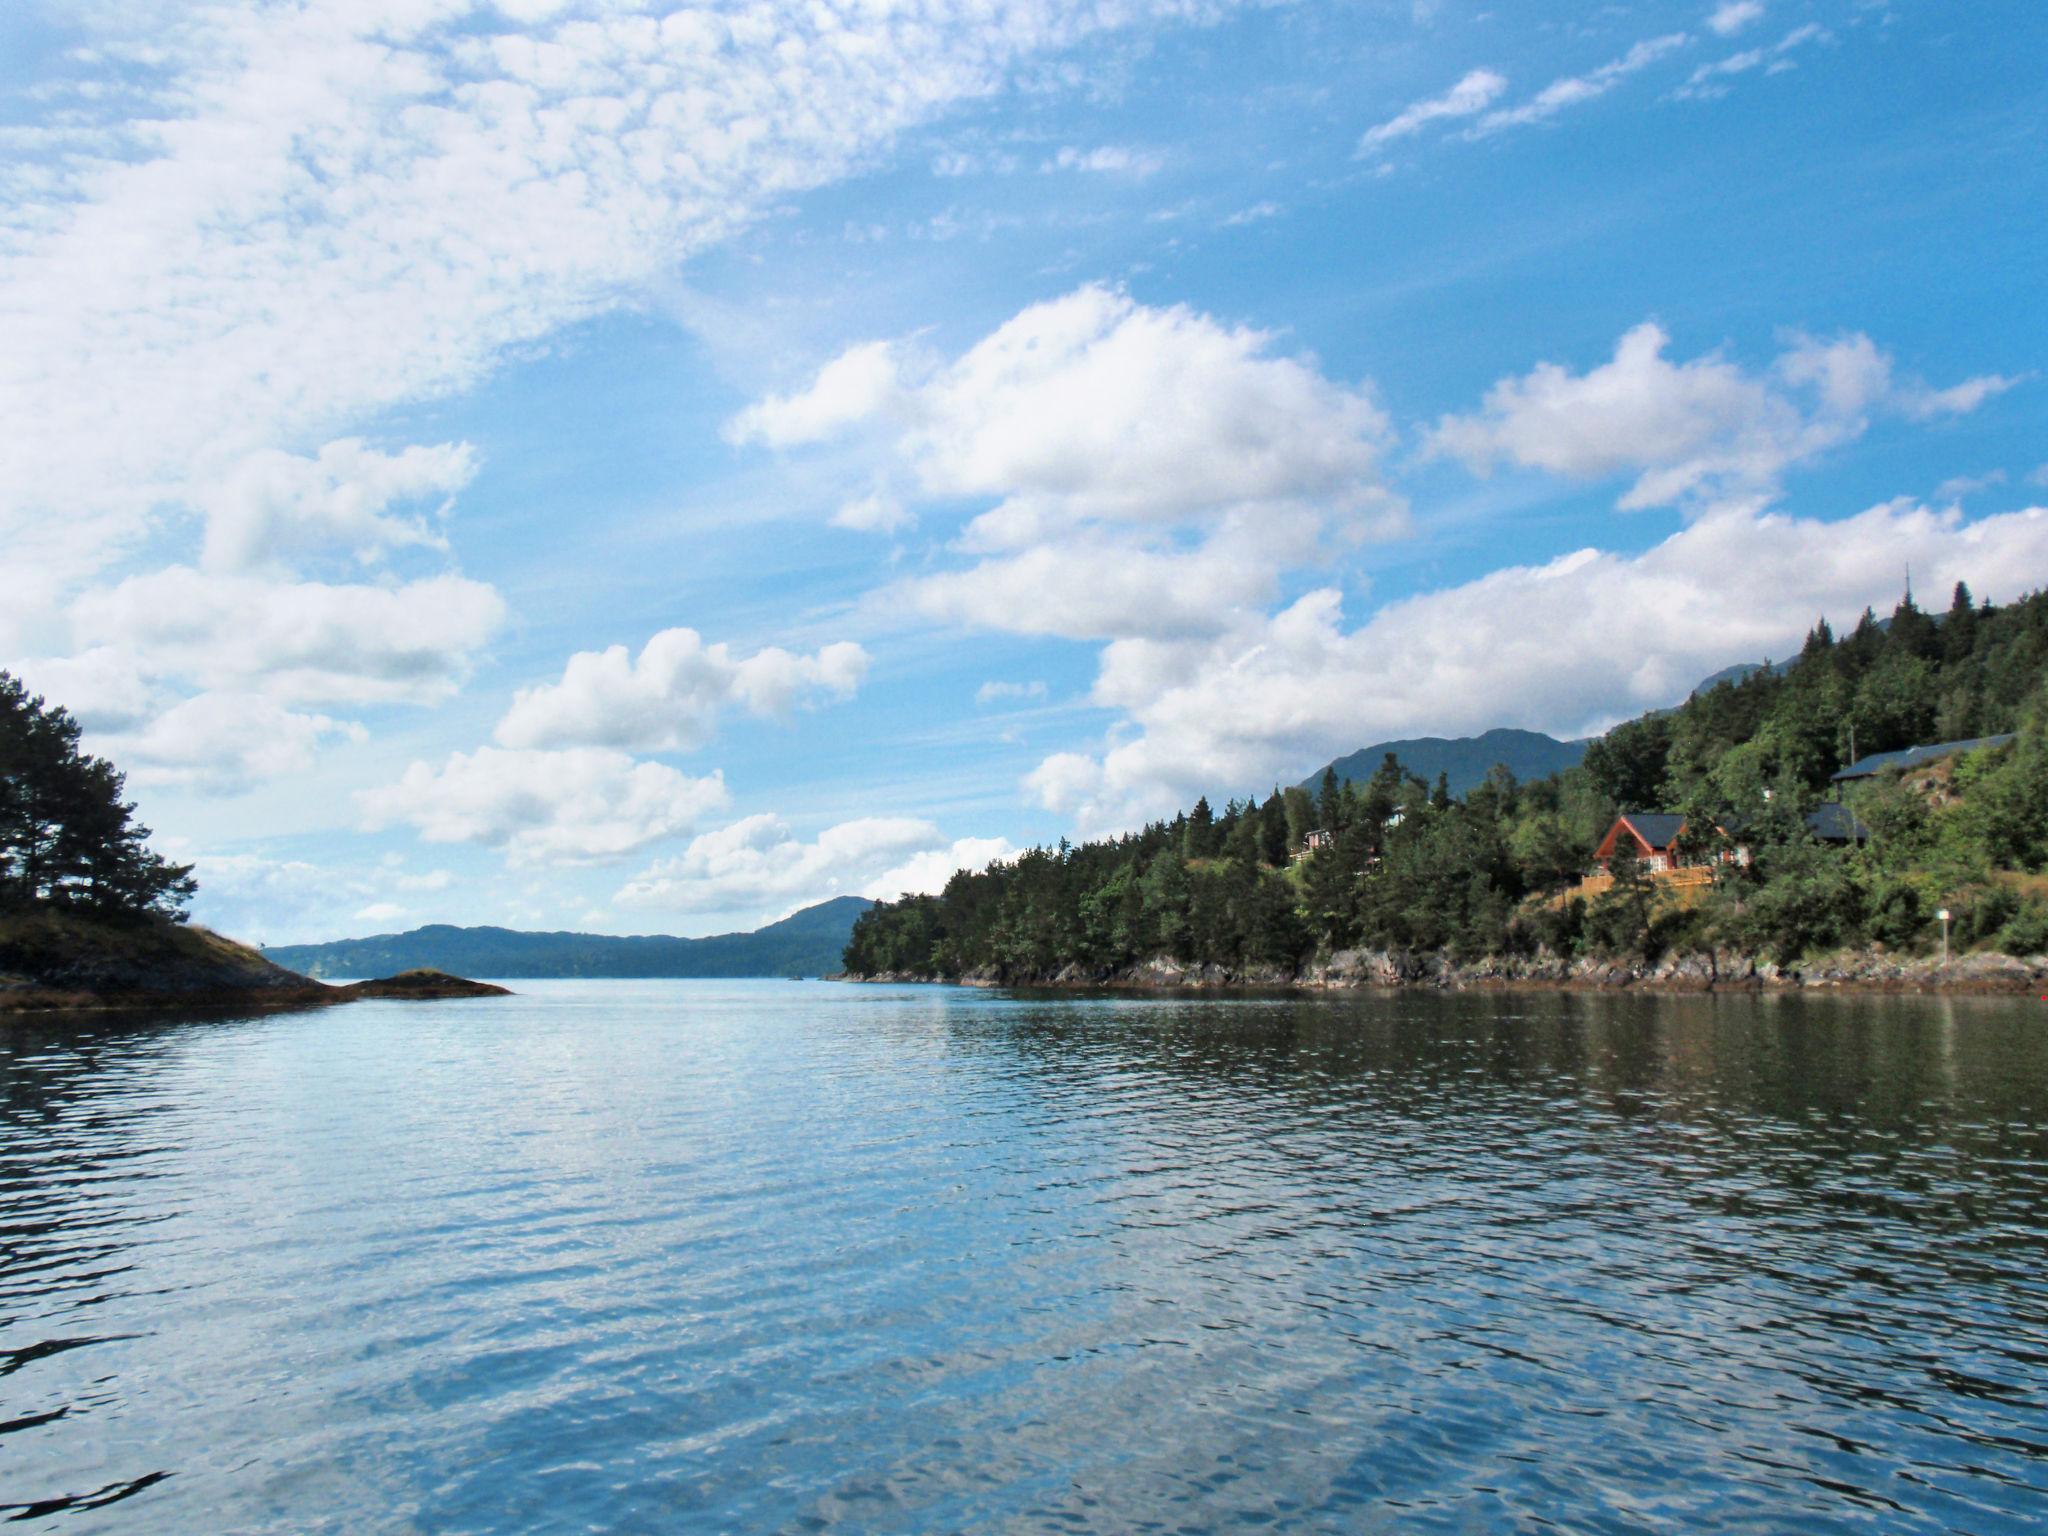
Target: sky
614,465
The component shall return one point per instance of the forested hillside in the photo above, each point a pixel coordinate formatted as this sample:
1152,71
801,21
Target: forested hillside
1404,865
1463,761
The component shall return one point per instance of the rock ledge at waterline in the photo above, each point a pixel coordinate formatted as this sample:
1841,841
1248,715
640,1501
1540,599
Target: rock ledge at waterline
1851,970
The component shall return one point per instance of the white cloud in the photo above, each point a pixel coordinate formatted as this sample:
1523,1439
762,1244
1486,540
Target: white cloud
1694,433
1255,213
1092,587
876,512
854,386
1956,487
1472,95
1563,647
221,743
311,213
1732,16
1150,468
582,805
993,692
1709,82
669,697
759,863
1572,90
302,641
1923,403
260,898
1107,160
276,503
1093,406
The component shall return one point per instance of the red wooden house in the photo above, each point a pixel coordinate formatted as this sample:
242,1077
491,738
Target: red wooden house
1653,834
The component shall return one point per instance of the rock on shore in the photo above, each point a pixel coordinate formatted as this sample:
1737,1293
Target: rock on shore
1699,971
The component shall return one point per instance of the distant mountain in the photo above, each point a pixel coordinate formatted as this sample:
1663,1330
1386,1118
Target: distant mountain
1466,760
806,943
1528,754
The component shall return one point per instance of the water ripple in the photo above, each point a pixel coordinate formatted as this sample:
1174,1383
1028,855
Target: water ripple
765,1257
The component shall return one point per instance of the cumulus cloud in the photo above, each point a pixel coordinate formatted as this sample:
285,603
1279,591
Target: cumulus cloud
1472,95
854,386
1146,465
581,805
1693,433
221,743
759,863
272,503
1095,587
295,640
670,696
1093,406
1565,646
1573,90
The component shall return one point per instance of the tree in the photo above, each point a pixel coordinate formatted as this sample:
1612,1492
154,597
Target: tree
1627,764
67,836
1200,839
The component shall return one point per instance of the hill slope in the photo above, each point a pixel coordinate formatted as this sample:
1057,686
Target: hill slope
1464,760
53,958
806,943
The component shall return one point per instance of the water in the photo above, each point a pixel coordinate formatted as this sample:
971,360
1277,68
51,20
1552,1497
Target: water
778,1257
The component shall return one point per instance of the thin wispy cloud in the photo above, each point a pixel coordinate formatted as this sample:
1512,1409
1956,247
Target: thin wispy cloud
1472,95
1576,90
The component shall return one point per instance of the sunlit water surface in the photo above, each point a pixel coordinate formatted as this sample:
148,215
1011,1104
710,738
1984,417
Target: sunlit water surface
673,1256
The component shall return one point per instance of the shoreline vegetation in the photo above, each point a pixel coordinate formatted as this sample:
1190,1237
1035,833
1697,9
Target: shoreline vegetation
64,962
1932,876
92,919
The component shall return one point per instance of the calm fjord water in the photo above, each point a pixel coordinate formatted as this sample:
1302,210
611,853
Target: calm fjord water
628,1257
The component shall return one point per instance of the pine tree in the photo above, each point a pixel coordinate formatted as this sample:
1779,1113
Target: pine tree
67,837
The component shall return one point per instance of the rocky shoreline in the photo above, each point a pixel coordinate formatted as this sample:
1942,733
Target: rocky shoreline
1361,969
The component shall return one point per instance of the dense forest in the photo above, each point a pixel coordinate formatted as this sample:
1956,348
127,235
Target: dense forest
67,837
1402,865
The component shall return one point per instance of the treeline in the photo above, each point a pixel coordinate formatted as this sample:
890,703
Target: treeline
67,837
1401,865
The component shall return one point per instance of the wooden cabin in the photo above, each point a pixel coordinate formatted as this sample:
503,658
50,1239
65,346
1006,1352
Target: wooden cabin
1653,834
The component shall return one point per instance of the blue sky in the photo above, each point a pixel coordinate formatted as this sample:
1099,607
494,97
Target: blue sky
646,468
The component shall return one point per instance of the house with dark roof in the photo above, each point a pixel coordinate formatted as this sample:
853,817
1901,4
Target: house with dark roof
1653,835
1914,757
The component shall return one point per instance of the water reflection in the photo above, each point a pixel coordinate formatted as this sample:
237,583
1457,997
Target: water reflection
766,1257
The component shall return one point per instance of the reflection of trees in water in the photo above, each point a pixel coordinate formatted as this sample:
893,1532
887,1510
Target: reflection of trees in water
1840,1098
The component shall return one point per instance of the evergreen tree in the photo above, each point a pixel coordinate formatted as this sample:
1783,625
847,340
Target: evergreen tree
67,837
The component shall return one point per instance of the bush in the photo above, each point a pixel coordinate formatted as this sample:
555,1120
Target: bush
2026,932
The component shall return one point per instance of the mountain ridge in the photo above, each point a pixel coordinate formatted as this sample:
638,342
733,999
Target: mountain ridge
806,943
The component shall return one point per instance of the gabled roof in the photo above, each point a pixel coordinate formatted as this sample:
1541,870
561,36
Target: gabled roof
1657,828
1914,757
